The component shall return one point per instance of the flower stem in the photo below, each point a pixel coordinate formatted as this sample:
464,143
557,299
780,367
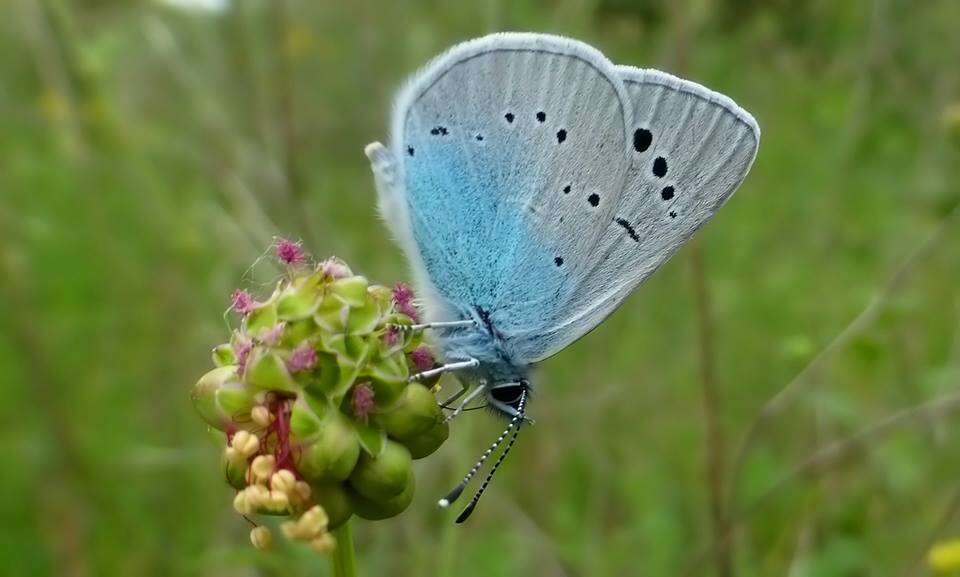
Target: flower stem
343,558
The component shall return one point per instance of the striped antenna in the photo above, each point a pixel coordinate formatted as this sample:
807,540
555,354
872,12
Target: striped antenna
453,495
518,419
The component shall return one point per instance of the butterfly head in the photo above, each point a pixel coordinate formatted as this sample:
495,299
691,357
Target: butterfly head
506,398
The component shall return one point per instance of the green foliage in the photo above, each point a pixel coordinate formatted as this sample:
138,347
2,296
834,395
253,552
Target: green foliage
149,154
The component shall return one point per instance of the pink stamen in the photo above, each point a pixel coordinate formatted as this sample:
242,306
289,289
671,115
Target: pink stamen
403,301
272,336
362,402
303,358
392,336
242,302
290,252
335,268
422,359
242,351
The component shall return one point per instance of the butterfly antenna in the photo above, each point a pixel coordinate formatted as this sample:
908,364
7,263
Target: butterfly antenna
468,510
453,495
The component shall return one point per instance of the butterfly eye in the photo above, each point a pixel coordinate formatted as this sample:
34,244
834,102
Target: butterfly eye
508,395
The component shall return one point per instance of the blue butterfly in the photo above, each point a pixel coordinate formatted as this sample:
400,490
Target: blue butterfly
533,184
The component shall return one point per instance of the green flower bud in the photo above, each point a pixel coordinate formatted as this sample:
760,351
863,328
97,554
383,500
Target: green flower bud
296,332
334,452
352,291
332,315
383,509
415,413
305,419
266,371
299,302
384,476
326,377
334,500
425,444
388,376
236,400
206,396
262,318
235,470
350,350
223,355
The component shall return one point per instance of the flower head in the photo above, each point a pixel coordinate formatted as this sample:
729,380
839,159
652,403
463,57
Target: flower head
403,301
422,359
242,302
362,402
303,358
289,252
276,430
335,268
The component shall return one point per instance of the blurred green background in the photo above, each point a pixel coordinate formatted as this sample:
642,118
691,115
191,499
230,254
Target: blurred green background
150,151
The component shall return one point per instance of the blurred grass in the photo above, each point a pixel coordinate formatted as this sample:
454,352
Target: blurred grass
148,154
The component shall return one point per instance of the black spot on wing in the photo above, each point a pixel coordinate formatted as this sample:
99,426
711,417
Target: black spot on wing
558,261
439,131
410,150
642,139
479,137
594,199
541,116
673,214
509,116
566,189
627,227
561,136
666,193
660,167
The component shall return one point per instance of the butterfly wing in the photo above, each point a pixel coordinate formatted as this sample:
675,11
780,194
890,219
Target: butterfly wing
691,148
488,143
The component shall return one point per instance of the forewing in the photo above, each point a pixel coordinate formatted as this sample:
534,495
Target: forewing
508,156
690,148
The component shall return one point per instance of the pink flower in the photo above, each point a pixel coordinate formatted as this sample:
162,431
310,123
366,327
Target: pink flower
403,301
242,350
290,252
242,302
335,268
272,336
422,359
392,336
362,402
303,358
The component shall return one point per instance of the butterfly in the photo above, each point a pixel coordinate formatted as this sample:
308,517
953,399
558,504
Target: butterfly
532,185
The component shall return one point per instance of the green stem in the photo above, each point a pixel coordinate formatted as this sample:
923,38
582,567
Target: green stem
343,558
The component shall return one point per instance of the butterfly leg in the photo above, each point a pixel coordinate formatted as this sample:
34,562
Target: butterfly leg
436,325
459,366
473,395
446,404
